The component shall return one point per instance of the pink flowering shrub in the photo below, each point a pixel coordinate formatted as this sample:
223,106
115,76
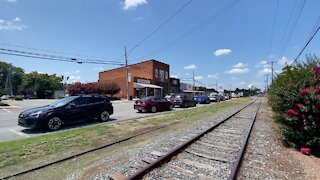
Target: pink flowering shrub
295,97
93,88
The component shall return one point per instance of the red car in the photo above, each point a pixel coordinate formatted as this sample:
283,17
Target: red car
153,104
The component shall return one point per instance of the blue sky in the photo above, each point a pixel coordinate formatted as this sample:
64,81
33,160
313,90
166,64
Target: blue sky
232,48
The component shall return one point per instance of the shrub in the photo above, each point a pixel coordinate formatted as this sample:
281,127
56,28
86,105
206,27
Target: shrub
295,97
102,88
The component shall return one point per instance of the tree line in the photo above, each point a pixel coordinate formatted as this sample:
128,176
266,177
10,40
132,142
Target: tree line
14,80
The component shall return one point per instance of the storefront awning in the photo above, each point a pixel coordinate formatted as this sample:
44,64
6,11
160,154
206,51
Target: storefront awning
140,85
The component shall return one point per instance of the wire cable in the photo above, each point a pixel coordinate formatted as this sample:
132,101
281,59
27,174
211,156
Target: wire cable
51,51
159,27
57,57
305,46
195,28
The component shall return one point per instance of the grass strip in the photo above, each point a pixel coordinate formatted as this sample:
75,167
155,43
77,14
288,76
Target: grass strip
45,148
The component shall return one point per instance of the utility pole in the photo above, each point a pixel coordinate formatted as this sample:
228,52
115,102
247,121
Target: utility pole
127,72
9,81
267,82
194,88
272,62
216,85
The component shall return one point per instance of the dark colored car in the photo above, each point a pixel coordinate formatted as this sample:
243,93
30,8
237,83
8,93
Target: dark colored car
67,110
184,100
153,104
203,99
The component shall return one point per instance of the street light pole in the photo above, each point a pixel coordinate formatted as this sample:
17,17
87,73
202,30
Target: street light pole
127,72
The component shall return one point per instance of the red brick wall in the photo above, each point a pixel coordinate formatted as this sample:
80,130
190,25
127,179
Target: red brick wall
142,70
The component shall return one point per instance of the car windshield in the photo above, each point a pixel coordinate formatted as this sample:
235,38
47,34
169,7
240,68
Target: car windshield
147,98
63,101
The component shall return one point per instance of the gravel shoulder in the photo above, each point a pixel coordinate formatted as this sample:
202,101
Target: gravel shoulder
267,158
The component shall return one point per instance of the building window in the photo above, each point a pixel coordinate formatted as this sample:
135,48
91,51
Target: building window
156,73
166,74
161,74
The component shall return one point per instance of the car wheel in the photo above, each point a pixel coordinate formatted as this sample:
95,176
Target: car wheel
170,107
185,105
104,116
153,109
54,123
139,111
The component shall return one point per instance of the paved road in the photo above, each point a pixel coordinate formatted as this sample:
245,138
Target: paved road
9,130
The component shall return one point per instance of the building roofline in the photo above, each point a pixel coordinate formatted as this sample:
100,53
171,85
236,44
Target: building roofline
135,64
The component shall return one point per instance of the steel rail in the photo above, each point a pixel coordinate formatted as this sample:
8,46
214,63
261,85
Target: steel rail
84,152
237,164
165,158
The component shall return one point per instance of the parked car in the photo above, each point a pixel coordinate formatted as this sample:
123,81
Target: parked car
152,104
221,96
203,99
169,97
214,97
67,110
184,100
234,95
5,97
227,97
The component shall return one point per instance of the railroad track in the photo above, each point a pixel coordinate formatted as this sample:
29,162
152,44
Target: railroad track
214,153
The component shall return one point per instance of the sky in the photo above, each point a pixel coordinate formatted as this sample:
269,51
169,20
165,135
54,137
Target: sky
227,42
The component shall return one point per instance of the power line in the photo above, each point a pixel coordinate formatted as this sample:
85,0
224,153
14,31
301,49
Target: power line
273,26
56,59
291,30
307,43
196,28
53,57
210,9
159,27
51,51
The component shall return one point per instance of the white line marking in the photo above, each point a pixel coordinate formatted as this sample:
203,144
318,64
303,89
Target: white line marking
19,133
6,110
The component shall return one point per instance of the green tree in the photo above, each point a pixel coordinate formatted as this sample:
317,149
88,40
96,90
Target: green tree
16,78
41,85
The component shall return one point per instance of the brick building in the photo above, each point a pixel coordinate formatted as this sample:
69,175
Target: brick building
146,78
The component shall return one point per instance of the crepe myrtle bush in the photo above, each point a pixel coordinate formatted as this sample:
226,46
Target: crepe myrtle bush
101,88
295,98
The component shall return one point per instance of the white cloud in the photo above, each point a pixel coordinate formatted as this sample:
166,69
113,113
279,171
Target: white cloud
13,25
264,71
262,63
17,19
77,71
237,71
239,65
174,76
191,66
213,76
132,4
198,78
11,1
284,61
220,52
75,78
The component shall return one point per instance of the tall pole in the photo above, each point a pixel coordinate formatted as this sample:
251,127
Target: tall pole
216,85
194,88
272,62
267,83
127,73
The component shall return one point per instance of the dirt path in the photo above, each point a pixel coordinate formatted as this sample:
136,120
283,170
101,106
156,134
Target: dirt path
267,158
